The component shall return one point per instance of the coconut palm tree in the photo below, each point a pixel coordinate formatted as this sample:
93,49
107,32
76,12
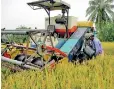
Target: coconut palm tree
100,11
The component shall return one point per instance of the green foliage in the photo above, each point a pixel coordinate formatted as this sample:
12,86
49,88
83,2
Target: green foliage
100,10
18,38
22,27
106,31
102,13
22,38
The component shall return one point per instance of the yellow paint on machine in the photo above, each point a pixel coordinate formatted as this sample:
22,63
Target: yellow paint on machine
85,24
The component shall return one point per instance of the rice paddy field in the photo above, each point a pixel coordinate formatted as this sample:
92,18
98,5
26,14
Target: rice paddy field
93,74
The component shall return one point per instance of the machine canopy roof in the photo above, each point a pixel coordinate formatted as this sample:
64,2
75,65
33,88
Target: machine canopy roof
47,4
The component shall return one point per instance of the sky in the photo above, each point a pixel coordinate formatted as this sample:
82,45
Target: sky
16,12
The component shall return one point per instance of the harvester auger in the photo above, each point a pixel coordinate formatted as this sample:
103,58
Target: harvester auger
70,37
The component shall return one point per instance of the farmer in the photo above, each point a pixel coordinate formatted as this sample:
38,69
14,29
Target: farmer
94,43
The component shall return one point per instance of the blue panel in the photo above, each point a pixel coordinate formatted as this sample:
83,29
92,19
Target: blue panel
33,45
60,43
78,34
68,46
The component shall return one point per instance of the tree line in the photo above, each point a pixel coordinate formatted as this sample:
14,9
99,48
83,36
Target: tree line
101,12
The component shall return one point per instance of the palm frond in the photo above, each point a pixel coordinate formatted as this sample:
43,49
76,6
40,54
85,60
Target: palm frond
100,10
92,2
93,16
109,1
110,11
112,6
108,6
90,10
106,16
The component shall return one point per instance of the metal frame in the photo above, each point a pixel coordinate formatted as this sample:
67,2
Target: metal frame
19,63
30,34
64,8
23,31
48,9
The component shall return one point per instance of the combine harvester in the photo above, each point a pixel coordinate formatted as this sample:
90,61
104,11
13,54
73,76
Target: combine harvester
69,33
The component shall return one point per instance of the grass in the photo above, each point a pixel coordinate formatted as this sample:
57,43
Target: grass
94,74
108,48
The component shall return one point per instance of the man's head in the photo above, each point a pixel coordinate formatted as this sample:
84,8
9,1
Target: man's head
89,36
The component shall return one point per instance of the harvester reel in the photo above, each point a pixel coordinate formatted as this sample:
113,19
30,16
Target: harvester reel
30,60
21,57
38,61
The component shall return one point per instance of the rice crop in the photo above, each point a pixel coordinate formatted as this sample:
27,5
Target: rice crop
93,74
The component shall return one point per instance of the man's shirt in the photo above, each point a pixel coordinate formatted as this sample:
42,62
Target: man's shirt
97,45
